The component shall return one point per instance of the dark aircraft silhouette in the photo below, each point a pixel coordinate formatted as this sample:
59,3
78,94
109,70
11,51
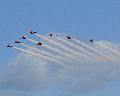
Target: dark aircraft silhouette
39,43
32,32
68,37
17,41
9,45
51,35
91,40
23,37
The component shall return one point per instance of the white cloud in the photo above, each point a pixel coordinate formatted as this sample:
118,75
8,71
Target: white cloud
27,74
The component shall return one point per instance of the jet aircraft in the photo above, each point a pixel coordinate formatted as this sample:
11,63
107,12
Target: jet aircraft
32,32
23,37
17,41
9,45
51,35
39,43
91,40
68,37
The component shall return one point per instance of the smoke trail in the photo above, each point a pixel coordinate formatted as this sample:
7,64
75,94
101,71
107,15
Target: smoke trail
62,47
108,52
32,40
95,51
68,56
57,57
64,54
39,55
20,49
36,74
88,53
108,48
103,57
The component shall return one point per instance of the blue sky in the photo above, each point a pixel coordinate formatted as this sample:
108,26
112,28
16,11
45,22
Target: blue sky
84,19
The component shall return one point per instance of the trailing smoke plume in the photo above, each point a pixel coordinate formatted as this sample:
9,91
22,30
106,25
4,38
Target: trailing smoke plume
71,66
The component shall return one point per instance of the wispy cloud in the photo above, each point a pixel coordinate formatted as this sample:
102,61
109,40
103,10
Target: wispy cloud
28,73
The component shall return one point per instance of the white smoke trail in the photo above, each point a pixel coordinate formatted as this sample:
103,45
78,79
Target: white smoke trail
32,40
39,55
106,51
31,74
62,46
108,48
94,50
60,52
94,54
37,51
88,53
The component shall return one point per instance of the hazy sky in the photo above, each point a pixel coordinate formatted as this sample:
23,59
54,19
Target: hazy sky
84,19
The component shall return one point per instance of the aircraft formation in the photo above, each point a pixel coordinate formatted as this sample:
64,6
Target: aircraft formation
40,43
67,50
